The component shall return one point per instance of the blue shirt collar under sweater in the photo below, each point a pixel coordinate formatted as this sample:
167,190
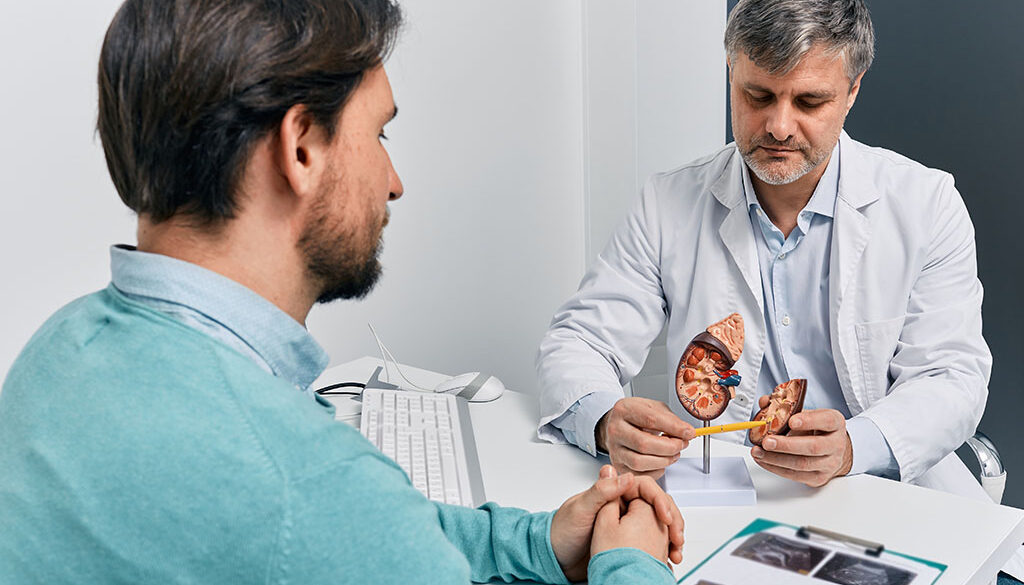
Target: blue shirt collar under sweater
221,308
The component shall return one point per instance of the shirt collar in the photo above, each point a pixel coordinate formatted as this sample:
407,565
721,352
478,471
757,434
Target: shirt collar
823,200
283,343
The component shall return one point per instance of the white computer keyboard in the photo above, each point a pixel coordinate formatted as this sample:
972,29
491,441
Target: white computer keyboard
431,437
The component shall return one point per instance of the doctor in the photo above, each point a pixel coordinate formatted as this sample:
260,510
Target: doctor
852,266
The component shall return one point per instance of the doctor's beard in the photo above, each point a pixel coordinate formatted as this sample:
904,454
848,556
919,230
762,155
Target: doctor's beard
771,172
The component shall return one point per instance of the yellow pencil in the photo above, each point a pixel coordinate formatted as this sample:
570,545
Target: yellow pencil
742,426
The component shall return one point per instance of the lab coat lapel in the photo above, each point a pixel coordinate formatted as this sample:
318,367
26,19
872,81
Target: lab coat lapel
850,236
735,230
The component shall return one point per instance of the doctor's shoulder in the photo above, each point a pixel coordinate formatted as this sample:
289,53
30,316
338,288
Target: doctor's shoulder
903,180
694,179
916,204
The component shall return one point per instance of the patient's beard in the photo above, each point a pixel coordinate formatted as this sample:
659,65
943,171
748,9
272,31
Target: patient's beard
344,263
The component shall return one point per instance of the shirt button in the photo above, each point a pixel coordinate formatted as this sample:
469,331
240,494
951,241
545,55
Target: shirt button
785,320
782,256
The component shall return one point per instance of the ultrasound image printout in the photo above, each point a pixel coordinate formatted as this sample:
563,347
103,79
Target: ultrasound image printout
772,550
847,570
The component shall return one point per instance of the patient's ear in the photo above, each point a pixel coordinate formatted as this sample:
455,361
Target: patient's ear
301,151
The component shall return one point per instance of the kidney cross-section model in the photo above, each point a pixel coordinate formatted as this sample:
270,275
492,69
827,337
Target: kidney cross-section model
705,382
786,400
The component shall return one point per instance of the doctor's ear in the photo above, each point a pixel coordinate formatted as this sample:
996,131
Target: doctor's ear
851,97
301,151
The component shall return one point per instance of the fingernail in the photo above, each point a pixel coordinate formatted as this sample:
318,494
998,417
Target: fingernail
757,453
769,444
796,423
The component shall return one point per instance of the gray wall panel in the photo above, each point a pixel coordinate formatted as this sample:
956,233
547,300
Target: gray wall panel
945,90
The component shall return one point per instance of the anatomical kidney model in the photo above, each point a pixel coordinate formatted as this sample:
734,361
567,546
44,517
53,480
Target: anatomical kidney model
786,400
704,381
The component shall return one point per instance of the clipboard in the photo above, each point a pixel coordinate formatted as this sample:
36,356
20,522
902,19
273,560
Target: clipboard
780,554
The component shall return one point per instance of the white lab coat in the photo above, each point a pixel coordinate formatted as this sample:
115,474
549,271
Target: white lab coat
904,297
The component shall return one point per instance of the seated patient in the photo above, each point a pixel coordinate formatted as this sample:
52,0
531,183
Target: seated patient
162,430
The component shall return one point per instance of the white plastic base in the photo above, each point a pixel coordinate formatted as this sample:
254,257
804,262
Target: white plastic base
728,484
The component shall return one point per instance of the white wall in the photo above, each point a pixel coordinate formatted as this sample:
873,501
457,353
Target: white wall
655,75
488,238
655,97
677,121
60,210
524,131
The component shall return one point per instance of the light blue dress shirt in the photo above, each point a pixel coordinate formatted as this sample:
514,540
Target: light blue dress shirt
794,277
223,309
794,282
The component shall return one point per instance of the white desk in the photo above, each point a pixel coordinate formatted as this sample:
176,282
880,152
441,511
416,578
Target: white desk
975,539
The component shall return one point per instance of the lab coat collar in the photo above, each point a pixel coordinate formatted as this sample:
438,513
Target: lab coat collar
850,236
728,188
857,186
735,230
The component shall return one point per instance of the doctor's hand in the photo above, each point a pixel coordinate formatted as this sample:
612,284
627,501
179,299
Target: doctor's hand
816,449
642,436
573,526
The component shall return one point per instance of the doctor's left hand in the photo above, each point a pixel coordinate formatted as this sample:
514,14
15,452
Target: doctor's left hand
816,449
572,528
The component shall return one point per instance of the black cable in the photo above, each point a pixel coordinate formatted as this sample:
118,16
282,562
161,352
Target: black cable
327,389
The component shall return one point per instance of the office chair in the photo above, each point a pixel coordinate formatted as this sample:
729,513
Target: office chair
991,474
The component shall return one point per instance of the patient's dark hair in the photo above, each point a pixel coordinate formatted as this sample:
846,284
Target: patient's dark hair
187,88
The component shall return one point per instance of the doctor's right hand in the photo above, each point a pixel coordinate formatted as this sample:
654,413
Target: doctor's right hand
642,436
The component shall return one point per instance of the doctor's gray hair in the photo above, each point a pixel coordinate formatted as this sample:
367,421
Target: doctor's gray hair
776,34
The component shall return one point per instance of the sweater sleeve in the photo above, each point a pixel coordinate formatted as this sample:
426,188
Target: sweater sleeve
627,566
509,544
503,543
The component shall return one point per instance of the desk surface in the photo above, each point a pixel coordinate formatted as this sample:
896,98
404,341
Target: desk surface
974,538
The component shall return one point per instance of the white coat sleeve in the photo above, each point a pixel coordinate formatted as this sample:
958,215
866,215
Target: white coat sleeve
941,366
600,337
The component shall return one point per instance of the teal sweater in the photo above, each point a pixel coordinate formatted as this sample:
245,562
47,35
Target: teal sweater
134,449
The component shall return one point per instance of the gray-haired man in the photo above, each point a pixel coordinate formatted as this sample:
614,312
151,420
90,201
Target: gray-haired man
852,266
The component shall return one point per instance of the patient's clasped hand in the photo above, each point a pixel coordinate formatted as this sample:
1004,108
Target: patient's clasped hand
617,511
